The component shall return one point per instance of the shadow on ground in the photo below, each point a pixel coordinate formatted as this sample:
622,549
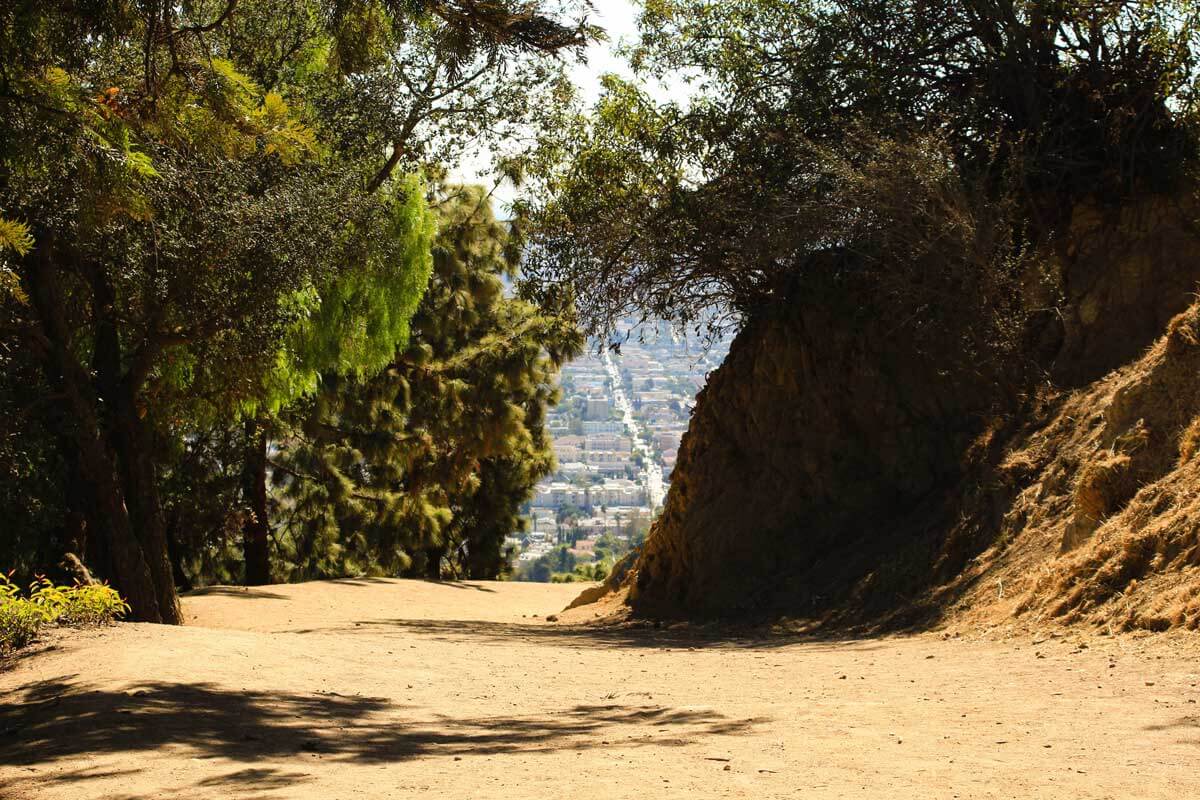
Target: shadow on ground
258,592
634,635
245,592
62,721
1189,724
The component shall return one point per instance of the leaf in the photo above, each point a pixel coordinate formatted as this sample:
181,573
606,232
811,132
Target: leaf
285,136
10,284
141,164
16,236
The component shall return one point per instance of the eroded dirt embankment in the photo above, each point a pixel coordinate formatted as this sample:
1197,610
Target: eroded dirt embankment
840,469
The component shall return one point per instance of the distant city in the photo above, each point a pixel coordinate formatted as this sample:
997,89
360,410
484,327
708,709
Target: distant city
616,436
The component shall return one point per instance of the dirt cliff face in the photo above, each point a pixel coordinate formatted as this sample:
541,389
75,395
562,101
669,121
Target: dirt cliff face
1107,527
1122,273
812,436
835,470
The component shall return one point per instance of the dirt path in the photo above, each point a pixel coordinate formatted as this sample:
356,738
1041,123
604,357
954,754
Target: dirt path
372,689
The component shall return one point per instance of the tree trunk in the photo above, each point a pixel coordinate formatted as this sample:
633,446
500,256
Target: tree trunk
112,530
147,515
109,517
433,563
256,528
91,546
131,439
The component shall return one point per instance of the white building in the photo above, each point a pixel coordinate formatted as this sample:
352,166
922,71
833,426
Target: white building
594,426
559,494
617,492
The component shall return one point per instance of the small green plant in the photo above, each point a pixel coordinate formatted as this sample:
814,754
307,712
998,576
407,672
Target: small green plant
21,617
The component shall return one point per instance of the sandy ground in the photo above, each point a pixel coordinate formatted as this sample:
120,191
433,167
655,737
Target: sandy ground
372,689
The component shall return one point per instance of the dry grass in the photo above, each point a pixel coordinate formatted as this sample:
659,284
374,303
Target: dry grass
1113,480
1104,485
1189,442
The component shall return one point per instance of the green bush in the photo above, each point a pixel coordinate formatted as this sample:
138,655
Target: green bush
47,604
19,623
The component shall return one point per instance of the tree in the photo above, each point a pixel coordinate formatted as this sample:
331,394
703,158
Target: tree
568,512
428,92
426,465
820,128
562,560
540,572
177,208
33,475
173,230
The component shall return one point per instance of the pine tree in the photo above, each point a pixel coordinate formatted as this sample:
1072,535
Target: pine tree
423,468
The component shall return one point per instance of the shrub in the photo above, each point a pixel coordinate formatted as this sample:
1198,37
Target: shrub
22,617
19,622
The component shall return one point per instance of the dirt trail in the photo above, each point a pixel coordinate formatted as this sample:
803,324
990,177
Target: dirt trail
372,689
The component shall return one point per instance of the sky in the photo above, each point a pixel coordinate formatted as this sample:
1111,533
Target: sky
619,20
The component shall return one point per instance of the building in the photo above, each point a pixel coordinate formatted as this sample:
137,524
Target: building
611,442
667,440
617,492
577,470
584,549
608,462
559,494
598,408
567,452
653,398
543,521
591,426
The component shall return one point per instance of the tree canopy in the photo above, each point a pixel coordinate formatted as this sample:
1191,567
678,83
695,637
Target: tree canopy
209,209
422,468
818,126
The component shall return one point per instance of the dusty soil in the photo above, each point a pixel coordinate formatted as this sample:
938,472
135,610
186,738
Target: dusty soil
378,689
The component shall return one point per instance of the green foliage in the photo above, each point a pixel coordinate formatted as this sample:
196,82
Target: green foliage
91,604
560,566
21,617
20,621
15,236
353,325
995,118
202,491
33,473
424,467
201,222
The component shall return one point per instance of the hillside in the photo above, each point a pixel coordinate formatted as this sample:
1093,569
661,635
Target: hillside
840,472
390,688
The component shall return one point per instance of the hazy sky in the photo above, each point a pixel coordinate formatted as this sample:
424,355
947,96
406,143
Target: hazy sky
619,19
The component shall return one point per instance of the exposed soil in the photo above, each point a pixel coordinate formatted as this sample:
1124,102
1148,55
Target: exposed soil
790,501
394,689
